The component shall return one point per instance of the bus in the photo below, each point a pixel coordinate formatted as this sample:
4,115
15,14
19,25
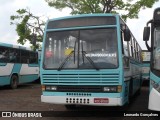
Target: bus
17,65
39,56
154,93
145,65
85,62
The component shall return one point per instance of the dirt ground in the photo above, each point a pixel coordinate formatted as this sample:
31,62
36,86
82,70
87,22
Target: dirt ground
27,98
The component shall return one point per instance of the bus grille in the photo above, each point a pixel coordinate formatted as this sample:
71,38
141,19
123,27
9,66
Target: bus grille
81,79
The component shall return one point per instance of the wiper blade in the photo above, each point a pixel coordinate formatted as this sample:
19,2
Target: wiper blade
65,60
90,60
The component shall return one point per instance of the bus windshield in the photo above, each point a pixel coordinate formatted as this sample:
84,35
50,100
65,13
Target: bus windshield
81,49
156,52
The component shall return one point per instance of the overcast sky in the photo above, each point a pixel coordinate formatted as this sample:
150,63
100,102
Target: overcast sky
40,8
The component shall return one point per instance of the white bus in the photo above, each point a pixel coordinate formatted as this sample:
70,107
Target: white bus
154,94
17,65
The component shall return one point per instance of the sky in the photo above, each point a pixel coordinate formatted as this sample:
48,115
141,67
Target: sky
41,8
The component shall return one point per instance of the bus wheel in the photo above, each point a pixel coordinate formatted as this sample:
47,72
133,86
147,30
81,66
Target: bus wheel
14,82
70,107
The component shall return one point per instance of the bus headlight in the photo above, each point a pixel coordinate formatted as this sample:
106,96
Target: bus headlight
51,88
155,85
106,89
112,89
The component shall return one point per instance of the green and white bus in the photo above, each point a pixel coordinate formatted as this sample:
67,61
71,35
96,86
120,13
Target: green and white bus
17,65
154,94
90,59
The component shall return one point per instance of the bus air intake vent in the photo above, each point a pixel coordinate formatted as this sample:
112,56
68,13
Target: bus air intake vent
81,79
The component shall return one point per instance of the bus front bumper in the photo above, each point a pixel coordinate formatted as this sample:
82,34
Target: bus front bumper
93,101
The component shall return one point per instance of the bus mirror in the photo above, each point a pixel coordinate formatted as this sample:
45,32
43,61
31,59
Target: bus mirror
127,35
146,33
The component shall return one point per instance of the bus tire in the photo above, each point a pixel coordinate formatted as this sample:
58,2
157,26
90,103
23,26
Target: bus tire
14,82
70,107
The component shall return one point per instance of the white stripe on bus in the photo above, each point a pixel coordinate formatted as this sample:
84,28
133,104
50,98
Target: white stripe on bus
26,70
6,70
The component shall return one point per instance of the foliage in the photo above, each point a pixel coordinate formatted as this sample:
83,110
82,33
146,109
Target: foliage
127,8
28,27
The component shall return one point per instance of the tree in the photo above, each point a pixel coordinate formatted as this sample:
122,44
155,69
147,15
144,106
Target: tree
29,27
127,8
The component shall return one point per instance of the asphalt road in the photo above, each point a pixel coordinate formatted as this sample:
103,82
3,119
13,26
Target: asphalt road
27,99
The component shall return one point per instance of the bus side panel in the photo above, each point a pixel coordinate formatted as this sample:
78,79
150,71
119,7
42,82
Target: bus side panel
28,73
27,78
136,77
6,70
126,92
16,68
132,79
154,95
127,78
4,80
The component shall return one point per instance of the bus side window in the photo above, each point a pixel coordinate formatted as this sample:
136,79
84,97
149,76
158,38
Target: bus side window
130,48
14,56
33,58
4,54
24,56
124,45
125,51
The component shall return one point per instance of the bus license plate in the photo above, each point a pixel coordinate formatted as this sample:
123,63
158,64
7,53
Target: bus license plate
101,100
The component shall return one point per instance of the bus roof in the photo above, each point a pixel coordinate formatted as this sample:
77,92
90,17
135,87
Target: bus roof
83,15
14,46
